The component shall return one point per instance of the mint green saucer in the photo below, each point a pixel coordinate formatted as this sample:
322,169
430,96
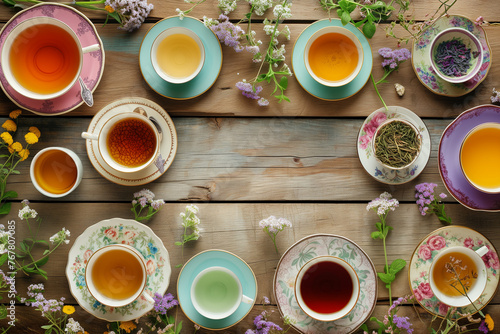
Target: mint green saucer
208,74
211,258
312,86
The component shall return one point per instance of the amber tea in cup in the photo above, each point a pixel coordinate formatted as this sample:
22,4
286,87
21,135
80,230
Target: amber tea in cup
480,157
333,56
116,275
458,276
56,171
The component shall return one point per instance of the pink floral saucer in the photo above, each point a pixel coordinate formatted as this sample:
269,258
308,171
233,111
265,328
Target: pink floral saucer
365,154
303,251
93,62
437,241
118,231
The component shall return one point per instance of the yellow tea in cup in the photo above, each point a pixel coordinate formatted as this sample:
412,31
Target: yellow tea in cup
117,274
333,57
178,55
480,157
445,277
55,171
44,58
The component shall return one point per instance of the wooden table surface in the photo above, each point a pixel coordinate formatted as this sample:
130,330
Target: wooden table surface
241,163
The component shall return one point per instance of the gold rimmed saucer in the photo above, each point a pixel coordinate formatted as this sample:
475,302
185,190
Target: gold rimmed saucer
168,147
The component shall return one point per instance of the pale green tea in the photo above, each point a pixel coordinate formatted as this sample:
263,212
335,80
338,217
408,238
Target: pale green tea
217,291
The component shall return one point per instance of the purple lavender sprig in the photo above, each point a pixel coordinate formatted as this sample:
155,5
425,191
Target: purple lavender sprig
391,61
430,204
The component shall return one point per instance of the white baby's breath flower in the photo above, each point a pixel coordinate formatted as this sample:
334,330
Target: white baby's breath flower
61,236
283,12
383,204
27,213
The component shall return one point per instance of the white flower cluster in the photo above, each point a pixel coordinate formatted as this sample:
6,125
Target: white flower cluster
4,239
73,326
60,236
227,6
260,6
383,204
283,12
274,225
190,220
26,212
132,12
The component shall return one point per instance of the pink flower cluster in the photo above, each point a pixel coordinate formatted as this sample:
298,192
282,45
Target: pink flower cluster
423,291
370,128
436,242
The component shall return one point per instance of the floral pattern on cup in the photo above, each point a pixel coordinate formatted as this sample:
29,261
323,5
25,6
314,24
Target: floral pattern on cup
422,62
427,250
303,251
132,234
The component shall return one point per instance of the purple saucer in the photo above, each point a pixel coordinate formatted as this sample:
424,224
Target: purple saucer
449,158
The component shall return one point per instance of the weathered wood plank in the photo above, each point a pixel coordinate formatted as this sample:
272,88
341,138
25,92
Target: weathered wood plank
122,77
240,159
302,10
234,227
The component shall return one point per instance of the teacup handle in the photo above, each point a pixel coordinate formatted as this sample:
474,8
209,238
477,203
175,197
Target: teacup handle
91,136
482,251
91,48
246,300
148,298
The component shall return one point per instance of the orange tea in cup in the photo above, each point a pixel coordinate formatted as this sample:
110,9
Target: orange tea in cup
55,171
333,56
480,157
44,58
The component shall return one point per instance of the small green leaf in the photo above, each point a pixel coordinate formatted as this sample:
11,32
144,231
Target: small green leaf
178,329
345,18
178,243
42,261
178,266
5,208
46,326
377,235
378,226
369,29
284,82
15,172
3,258
386,278
397,265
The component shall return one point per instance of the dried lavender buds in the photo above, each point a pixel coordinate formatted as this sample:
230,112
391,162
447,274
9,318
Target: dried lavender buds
453,58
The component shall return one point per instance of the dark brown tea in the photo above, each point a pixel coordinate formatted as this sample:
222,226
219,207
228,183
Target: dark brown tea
326,287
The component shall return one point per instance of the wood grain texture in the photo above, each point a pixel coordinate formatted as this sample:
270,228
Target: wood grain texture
240,159
309,10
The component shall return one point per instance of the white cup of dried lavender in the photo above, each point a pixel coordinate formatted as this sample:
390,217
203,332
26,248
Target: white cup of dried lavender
396,144
456,55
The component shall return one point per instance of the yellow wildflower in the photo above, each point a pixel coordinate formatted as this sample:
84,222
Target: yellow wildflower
109,9
24,154
9,125
489,322
35,130
7,138
31,138
127,326
14,114
68,309
11,150
17,146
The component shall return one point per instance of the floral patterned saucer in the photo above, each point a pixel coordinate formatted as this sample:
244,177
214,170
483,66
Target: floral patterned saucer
308,248
93,62
438,241
449,159
421,60
118,231
168,147
376,169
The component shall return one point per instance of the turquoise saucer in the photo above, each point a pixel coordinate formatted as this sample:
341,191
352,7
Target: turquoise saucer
208,74
312,86
211,258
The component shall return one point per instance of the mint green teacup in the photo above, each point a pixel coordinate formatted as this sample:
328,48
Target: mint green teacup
216,293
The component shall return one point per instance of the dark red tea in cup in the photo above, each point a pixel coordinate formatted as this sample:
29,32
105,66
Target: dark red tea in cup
326,287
